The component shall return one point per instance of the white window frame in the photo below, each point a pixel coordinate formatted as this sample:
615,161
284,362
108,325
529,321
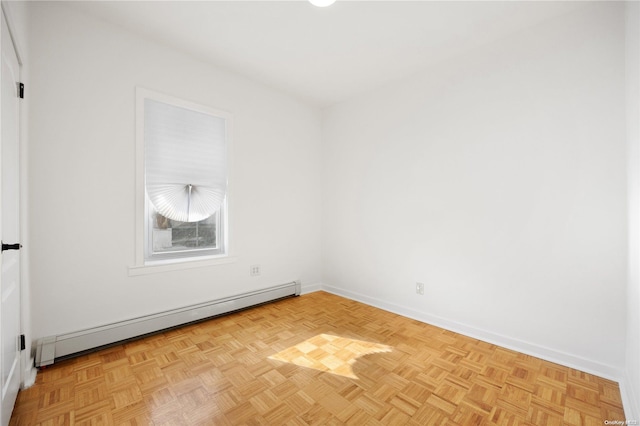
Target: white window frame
179,260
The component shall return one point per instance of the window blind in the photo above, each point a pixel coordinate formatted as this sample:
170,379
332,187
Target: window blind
185,161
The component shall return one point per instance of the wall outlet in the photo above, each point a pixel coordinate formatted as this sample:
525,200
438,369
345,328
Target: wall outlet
420,288
254,270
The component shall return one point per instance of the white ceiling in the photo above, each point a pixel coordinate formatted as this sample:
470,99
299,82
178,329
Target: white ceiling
325,55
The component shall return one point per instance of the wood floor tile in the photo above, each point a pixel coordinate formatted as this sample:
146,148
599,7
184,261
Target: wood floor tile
317,359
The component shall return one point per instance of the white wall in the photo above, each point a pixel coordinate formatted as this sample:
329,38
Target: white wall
633,140
82,175
499,180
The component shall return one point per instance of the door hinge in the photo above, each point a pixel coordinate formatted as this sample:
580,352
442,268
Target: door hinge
23,343
21,90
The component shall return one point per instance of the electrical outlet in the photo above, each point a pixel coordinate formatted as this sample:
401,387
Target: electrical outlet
420,288
254,270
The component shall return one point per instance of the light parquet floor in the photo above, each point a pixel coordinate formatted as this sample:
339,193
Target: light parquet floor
314,359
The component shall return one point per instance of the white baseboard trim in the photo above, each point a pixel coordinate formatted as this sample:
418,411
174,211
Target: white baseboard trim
573,361
629,400
311,288
29,377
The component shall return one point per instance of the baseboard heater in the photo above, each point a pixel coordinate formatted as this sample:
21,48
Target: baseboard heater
52,348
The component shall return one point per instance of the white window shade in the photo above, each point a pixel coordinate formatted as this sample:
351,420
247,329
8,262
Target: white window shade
185,161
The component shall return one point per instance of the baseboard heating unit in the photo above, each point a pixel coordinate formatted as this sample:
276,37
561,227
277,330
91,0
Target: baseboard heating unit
52,348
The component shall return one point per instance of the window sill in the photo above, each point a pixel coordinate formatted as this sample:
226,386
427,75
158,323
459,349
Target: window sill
160,266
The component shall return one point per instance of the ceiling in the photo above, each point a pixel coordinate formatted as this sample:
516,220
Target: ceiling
325,55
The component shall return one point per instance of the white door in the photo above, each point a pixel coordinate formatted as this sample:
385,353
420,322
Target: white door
9,225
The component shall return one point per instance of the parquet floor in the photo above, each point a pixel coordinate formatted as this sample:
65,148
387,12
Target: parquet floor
314,359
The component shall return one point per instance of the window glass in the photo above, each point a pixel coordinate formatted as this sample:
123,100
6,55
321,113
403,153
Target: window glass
185,171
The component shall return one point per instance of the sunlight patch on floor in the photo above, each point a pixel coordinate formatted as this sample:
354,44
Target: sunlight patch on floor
331,354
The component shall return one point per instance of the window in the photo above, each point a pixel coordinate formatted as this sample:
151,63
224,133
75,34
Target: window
185,179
